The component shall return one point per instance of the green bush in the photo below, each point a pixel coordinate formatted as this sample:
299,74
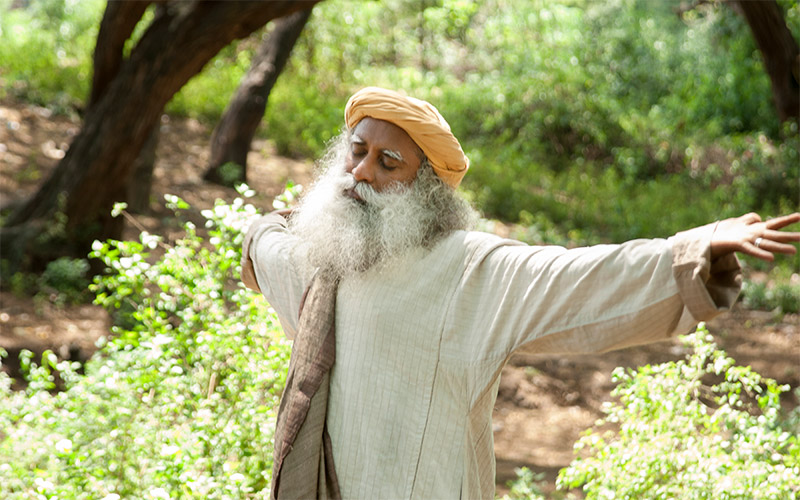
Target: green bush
700,428
525,486
65,280
782,297
180,402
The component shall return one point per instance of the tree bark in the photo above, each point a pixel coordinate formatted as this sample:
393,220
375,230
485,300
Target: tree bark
779,51
233,135
117,25
96,170
141,186
119,21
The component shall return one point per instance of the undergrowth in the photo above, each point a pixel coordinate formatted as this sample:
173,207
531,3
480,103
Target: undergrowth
699,428
179,402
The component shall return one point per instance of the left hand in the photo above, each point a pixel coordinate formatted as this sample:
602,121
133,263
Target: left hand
749,235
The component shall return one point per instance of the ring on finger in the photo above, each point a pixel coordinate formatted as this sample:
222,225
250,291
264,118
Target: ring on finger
758,241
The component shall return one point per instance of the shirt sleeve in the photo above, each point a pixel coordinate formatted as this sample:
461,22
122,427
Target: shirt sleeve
707,287
593,299
269,266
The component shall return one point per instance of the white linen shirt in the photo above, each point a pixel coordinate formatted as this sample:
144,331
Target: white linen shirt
421,339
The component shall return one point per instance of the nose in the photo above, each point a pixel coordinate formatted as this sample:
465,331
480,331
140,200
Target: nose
364,170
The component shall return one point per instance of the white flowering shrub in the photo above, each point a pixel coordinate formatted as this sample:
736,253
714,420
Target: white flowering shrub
180,402
700,428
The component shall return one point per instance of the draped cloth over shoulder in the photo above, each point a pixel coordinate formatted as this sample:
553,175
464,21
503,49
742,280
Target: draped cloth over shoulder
421,121
303,457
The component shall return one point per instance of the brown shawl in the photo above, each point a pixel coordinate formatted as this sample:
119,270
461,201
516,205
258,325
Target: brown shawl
303,460
303,457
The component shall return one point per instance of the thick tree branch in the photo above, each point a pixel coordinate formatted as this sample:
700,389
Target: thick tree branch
119,21
779,51
231,139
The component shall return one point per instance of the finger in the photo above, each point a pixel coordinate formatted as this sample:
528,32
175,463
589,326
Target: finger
781,236
783,221
756,251
776,247
750,218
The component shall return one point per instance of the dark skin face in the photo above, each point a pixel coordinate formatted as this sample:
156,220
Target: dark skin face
382,154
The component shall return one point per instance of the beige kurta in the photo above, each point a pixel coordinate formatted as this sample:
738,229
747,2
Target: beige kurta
421,340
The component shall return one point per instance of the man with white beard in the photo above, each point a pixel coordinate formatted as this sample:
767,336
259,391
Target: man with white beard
343,236
402,318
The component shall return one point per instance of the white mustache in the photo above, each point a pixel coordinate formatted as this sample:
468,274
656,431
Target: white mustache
366,192
347,181
378,198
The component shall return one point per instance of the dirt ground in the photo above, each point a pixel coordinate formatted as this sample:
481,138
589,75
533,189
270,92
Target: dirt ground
544,402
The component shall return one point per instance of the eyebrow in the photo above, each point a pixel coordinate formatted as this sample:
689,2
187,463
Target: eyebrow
355,139
393,154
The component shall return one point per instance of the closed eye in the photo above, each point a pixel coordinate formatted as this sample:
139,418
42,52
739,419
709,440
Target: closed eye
390,160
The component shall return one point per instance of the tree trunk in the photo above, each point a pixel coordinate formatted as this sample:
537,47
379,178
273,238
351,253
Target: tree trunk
117,25
779,51
141,185
96,170
230,142
119,21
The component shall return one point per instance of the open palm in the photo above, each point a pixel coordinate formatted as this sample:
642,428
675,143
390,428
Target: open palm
750,235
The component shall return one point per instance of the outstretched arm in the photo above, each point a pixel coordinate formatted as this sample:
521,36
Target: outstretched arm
749,235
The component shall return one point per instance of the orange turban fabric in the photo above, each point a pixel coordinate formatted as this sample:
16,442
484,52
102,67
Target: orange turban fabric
421,121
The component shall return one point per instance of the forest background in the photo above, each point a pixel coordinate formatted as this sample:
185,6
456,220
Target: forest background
585,122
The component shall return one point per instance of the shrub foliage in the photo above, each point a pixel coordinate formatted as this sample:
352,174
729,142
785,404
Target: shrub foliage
179,403
700,428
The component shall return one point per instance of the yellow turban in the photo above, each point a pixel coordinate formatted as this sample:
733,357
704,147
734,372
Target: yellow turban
421,121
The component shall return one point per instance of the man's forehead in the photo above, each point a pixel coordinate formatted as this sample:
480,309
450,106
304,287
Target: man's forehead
385,134
392,153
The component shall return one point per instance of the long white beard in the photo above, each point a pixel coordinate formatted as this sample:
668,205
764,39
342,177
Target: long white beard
342,236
